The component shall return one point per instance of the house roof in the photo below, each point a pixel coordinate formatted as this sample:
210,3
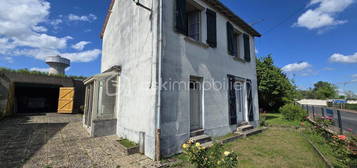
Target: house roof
107,18
216,4
221,8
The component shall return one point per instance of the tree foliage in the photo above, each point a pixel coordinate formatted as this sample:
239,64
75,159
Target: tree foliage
321,90
274,87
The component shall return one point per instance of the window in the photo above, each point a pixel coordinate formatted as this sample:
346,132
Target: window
194,25
237,42
188,18
239,96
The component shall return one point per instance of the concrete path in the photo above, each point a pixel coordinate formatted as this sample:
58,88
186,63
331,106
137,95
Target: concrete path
59,140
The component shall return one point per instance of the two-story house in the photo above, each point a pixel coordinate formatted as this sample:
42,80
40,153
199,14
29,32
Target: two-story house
172,69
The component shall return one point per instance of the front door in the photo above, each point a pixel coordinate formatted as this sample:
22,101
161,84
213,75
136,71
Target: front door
239,101
195,105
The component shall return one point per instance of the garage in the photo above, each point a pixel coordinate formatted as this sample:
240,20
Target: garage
26,92
36,98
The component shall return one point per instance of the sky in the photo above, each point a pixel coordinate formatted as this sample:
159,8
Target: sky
311,40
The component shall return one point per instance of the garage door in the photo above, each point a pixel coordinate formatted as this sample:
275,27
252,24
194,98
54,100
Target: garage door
65,100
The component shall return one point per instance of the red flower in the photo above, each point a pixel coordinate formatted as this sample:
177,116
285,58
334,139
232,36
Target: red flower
342,137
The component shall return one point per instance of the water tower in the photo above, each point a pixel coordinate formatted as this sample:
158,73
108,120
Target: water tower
57,64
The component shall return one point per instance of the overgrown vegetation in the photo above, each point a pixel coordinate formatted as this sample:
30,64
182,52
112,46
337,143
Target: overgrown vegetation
292,112
274,87
127,143
340,149
29,72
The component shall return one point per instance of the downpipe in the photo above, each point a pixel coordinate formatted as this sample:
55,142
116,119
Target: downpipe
158,80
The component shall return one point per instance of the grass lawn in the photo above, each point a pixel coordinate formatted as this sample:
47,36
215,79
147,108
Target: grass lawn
273,148
276,119
127,143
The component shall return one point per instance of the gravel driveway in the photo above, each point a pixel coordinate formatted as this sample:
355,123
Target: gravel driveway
59,140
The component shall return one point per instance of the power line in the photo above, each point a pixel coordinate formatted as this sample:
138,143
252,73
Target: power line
285,20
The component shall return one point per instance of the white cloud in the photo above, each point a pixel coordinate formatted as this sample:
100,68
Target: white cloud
9,59
354,76
343,58
80,46
85,56
40,69
20,25
296,67
56,22
324,15
41,54
23,32
85,18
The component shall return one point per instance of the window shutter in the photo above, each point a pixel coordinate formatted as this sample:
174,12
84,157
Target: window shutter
250,101
211,28
246,47
181,17
230,38
232,101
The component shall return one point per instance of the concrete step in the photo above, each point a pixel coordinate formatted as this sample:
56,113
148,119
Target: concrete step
245,128
207,144
201,138
253,131
197,132
243,123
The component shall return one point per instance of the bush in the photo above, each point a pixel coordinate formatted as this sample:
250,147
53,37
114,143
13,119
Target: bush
293,112
209,158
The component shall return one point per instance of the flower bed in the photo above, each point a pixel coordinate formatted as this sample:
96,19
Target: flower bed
211,157
343,146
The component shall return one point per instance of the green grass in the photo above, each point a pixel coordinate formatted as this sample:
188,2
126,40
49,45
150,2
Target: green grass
276,119
127,143
276,147
224,137
322,144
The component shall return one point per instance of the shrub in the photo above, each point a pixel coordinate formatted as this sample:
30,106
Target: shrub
293,112
212,157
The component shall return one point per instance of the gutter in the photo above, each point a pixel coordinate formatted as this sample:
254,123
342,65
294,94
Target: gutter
158,81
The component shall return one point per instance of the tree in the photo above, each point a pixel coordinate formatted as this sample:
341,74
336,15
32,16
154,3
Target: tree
321,90
274,87
324,90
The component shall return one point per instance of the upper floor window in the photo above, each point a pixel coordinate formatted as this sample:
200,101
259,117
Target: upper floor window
194,18
236,42
188,18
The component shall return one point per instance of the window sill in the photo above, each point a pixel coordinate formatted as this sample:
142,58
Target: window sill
198,43
239,59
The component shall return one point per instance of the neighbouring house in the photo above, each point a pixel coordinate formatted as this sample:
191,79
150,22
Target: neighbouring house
171,69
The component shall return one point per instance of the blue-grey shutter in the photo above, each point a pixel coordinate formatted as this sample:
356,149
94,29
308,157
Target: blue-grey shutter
181,17
211,28
232,101
250,101
246,39
230,38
